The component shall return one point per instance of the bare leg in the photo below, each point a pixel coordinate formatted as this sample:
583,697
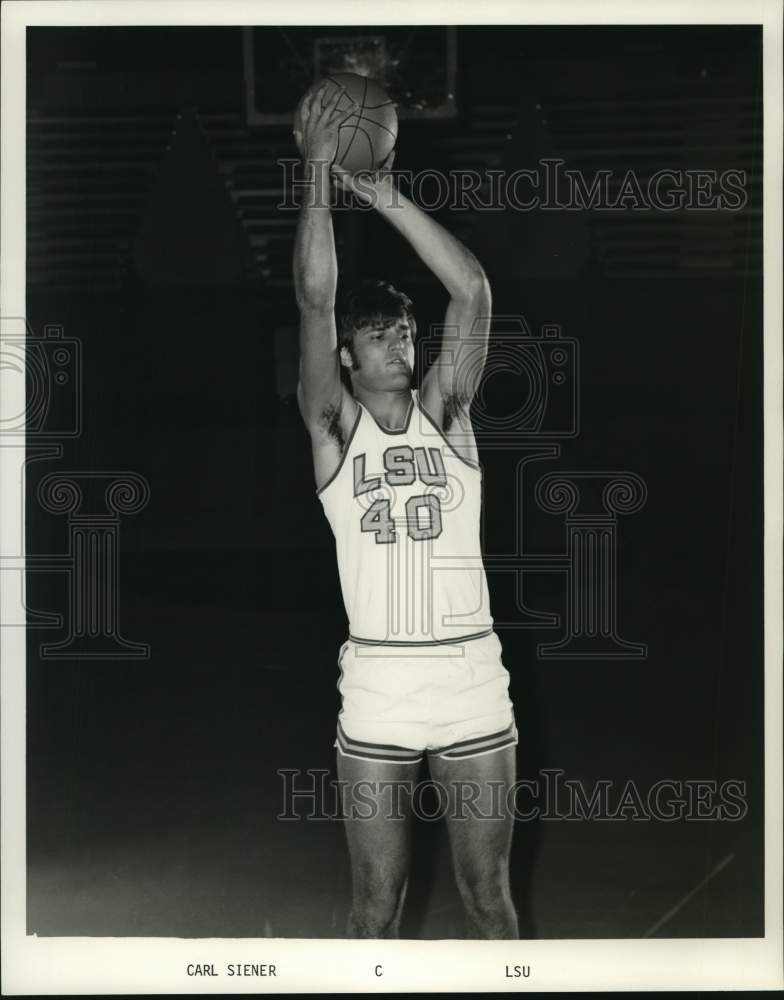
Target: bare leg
480,836
377,804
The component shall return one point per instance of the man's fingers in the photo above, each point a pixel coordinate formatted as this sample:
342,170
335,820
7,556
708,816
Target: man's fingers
314,103
316,113
324,107
338,115
334,97
332,104
309,111
386,166
346,113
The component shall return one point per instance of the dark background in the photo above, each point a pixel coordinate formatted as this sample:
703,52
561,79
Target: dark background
154,239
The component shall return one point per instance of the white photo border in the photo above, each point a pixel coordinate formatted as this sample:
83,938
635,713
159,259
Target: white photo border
67,966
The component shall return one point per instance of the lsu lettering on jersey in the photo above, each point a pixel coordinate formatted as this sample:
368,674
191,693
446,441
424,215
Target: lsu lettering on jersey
405,511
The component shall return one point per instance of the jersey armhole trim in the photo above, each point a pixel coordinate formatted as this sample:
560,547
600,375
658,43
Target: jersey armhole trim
335,474
471,465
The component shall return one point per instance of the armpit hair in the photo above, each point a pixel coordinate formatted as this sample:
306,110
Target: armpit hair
454,405
330,422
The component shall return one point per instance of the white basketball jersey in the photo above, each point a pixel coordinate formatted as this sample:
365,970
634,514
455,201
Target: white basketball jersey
405,512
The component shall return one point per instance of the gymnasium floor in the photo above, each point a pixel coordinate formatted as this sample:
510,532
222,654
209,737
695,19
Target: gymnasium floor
153,796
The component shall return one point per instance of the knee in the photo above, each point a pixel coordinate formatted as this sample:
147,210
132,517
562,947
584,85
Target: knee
485,891
379,891
376,905
369,920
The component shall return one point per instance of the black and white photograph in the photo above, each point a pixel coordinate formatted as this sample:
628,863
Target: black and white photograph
391,497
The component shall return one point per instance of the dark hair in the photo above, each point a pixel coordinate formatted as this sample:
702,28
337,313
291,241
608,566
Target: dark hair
368,303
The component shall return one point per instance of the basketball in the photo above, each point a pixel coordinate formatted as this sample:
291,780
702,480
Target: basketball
368,137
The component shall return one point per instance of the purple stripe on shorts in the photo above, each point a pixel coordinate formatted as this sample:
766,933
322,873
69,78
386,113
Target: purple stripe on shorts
377,751
467,748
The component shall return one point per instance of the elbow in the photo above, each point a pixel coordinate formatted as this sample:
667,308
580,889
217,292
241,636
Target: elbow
480,286
314,287
475,288
315,299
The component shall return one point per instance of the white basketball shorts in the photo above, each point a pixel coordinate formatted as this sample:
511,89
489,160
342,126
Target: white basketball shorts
451,701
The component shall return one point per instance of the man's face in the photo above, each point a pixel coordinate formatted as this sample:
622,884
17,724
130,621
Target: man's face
384,354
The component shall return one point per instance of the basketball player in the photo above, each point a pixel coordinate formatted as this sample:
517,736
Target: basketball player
397,473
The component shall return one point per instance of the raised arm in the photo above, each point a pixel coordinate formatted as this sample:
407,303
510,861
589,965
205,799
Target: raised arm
452,380
315,262
315,282
322,399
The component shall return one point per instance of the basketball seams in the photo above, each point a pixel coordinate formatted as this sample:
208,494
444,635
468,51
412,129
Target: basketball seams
354,135
361,116
369,142
364,118
341,88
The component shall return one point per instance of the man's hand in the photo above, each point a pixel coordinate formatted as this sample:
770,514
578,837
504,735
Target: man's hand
318,137
369,185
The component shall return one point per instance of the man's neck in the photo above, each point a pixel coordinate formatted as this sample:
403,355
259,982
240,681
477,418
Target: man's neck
390,409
